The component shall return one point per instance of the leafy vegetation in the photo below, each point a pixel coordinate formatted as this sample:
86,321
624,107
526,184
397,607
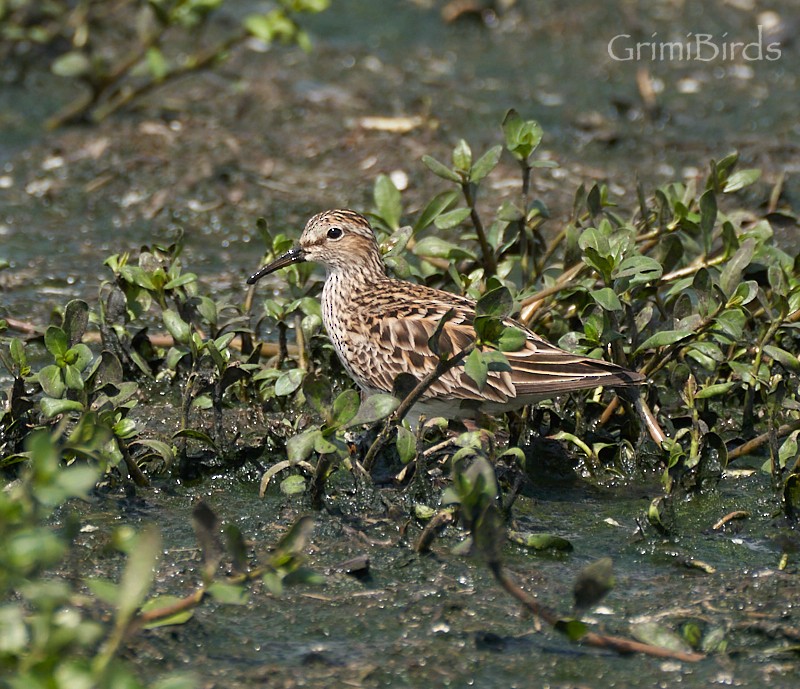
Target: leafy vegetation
52,631
117,63
691,290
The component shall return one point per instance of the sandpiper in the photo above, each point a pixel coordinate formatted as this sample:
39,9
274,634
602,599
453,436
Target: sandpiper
380,327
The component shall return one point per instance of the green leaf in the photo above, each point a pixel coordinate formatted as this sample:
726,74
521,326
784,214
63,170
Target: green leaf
593,583
594,201
451,219
522,136
440,169
731,323
317,391
715,390
56,342
434,341
423,512
294,484
72,64
496,361
77,480
229,594
708,216
17,349
573,629
137,276
194,434
744,294
485,164
157,64
53,407
177,327
138,575
731,274
387,201
741,179
406,444
162,449
488,328
345,407
462,156
374,408
662,339
512,339
125,428
477,368
299,447
540,541
657,635
83,356
72,377
396,244
76,318
786,359
788,449
436,206
52,381
267,27
607,299
289,381
641,269
497,303
164,602
437,247
181,280
104,589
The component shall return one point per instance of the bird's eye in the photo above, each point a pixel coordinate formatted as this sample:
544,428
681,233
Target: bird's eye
335,233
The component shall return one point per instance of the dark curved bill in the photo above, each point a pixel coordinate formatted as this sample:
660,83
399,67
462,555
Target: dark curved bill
296,255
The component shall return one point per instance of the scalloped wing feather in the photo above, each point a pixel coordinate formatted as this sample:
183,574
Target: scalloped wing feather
398,343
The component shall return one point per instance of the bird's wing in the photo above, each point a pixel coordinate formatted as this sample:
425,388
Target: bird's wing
542,369
399,344
395,341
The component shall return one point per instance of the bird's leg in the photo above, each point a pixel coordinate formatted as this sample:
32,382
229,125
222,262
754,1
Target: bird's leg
636,398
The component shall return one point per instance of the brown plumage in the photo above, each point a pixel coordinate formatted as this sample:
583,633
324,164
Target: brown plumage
380,328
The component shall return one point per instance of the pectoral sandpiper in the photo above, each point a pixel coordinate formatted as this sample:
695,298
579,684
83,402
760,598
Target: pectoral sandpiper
380,327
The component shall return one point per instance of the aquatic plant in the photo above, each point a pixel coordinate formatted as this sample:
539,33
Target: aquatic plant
117,62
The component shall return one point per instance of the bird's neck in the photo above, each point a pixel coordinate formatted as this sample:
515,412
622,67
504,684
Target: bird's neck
346,283
357,273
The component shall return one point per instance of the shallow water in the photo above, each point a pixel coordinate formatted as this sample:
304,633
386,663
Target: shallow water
440,619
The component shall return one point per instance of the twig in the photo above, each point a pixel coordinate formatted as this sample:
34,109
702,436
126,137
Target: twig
487,253
438,522
614,643
736,514
759,440
530,305
645,413
24,327
133,468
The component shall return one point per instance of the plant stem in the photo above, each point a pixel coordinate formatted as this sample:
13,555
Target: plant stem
487,253
439,521
759,440
133,468
614,643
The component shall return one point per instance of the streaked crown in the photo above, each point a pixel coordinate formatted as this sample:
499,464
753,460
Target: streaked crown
341,240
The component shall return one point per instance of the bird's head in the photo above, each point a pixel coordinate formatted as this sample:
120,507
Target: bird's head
341,240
